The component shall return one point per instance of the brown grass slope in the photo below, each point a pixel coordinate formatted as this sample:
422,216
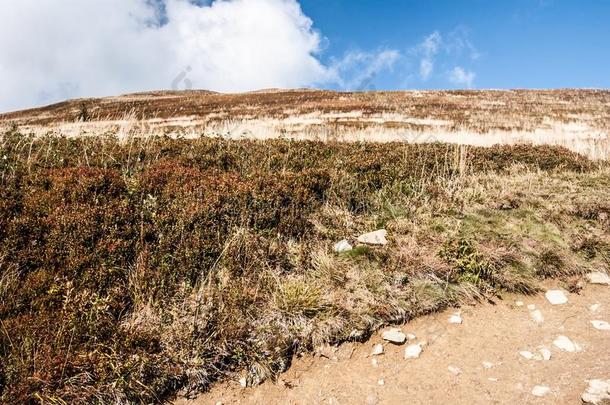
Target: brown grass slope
132,270
481,110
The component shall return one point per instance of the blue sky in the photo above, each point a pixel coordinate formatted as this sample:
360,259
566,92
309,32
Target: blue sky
51,50
520,43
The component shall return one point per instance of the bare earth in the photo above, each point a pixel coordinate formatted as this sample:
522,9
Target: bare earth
493,333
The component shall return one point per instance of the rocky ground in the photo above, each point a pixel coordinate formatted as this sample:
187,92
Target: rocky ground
553,348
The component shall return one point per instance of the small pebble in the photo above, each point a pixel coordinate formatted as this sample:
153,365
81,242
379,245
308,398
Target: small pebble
377,350
519,303
537,316
455,319
556,297
545,353
487,365
564,343
394,335
526,354
601,325
413,351
597,277
381,382
454,370
540,390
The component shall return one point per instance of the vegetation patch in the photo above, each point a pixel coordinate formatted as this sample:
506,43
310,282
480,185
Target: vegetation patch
136,269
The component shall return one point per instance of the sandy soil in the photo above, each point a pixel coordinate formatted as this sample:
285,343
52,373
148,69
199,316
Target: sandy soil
491,332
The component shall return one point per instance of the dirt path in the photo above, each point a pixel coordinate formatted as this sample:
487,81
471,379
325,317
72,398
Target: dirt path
490,334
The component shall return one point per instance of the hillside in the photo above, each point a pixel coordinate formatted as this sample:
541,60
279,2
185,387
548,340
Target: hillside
137,268
576,119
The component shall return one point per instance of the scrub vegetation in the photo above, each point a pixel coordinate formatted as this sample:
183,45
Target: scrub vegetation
135,269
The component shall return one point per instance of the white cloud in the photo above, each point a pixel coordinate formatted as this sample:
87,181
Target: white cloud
438,51
428,49
56,49
461,77
458,42
357,69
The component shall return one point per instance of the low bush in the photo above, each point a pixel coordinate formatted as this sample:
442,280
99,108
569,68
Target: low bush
130,270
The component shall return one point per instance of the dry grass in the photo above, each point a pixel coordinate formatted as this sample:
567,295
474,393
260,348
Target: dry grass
173,263
576,119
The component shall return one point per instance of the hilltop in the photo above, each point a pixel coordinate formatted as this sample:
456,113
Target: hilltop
576,119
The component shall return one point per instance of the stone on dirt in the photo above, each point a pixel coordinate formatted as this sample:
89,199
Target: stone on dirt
526,354
597,393
413,351
540,390
537,316
342,246
454,370
564,343
394,335
601,325
374,238
487,365
556,297
545,353
597,277
455,319
377,350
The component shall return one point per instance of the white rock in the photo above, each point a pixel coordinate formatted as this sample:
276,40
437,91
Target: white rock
374,362
597,392
377,350
594,307
381,382
413,351
545,353
564,343
519,303
342,246
394,335
455,318
540,390
492,379
374,238
597,277
487,365
526,354
372,399
531,307
454,370
537,316
243,382
601,325
556,297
